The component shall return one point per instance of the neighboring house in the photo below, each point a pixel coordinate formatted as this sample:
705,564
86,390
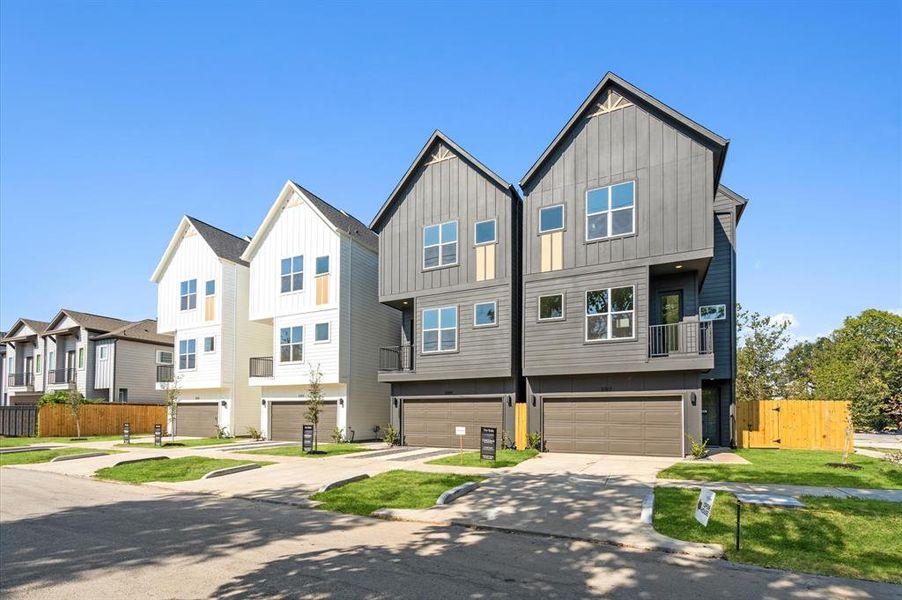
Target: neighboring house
127,359
24,382
313,286
3,381
629,280
449,260
202,299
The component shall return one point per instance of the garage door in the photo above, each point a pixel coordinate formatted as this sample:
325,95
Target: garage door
641,426
287,419
432,422
196,420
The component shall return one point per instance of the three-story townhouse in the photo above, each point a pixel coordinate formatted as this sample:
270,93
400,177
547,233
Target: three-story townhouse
202,299
449,260
313,284
629,280
24,382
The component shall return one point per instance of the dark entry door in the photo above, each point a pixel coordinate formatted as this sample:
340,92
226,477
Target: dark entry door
711,415
671,304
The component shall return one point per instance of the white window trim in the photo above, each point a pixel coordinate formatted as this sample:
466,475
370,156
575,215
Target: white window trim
610,212
563,308
290,343
194,368
291,274
328,325
213,351
440,329
494,240
188,295
315,274
563,219
494,304
440,244
610,314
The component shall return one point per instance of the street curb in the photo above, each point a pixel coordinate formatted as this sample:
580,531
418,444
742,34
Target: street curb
337,484
77,456
137,460
230,470
17,449
456,492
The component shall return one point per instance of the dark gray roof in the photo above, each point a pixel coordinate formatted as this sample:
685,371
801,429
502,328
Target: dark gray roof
740,201
343,221
38,326
92,321
139,331
224,244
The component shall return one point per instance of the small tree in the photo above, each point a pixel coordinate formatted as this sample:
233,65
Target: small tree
759,357
172,392
314,402
74,401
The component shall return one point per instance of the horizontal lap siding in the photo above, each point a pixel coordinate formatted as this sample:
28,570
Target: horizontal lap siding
719,288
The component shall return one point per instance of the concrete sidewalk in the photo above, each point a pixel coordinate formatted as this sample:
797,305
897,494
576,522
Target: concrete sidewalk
785,490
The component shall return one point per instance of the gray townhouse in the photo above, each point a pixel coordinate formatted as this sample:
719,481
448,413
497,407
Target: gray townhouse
449,261
629,280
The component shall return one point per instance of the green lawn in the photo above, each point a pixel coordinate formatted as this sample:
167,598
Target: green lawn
832,536
185,468
322,451
39,456
10,442
503,458
393,489
211,441
793,467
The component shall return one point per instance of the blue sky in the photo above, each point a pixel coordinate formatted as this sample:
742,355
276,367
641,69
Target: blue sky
117,118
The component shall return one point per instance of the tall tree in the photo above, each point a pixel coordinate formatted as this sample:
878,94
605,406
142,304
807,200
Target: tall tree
763,340
798,367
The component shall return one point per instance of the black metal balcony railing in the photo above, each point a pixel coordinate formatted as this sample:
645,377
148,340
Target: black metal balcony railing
165,374
681,339
60,376
261,366
20,379
396,358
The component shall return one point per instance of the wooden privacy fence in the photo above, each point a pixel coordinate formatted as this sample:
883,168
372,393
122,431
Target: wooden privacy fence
799,424
55,420
520,412
18,421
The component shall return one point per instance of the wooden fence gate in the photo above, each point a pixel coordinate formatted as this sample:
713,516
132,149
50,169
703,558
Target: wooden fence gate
18,421
797,424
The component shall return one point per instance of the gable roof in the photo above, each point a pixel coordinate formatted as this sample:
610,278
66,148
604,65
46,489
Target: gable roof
337,218
740,201
37,326
436,136
225,245
718,144
87,320
139,331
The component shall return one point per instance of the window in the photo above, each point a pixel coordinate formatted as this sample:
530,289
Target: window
187,354
440,245
321,332
440,329
322,265
609,211
51,360
484,232
188,295
610,314
485,314
209,344
292,274
103,351
551,307
291,344
164,357
210,287
123,395
37,363
81,357
551,218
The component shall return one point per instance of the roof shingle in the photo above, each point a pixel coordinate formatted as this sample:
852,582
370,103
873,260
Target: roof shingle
224,244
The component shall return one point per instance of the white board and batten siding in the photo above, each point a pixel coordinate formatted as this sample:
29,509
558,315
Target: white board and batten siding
193,259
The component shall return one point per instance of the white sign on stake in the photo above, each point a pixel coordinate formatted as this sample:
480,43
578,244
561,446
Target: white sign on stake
704,506
460,430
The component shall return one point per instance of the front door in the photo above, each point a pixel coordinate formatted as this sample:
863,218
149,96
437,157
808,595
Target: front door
711,415
671,304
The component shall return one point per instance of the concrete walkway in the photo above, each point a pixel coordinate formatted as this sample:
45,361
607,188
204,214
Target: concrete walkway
785,490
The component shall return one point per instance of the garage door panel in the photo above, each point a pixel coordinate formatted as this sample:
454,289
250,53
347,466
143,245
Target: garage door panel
433,422
197,420
287,420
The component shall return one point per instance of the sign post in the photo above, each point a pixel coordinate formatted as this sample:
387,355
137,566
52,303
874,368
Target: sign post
460,432
126,433
488,443
704,506
158,435
307,438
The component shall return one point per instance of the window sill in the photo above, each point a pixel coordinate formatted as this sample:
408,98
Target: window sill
439,352
611,341
440,267
611,237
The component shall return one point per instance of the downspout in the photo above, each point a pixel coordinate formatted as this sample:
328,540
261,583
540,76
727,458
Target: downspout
232,399
113,375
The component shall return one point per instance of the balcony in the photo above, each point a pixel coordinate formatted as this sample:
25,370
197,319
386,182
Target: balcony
165,373
681,340
23,380
61,376
261,366
396,358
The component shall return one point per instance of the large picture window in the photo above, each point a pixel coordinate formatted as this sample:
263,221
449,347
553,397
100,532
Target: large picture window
188,295
291,344
610,211
440,245
440,329
610,314
292,274
187,354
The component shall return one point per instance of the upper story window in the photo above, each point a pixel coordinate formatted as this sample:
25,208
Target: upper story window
210,287
164,357
188,295
322,265
440,329
291,344
484,232
610,211
210,344
321,332
37,363
292,274
187,354
610,314
551,307
485,314
210,300
81,357
551,218
440,245
104,352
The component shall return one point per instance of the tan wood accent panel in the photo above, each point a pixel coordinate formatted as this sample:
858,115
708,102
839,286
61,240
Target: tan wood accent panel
322,289
209,308
552,251
485,262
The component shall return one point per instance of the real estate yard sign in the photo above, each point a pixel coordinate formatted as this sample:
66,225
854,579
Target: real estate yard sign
704,506
307,438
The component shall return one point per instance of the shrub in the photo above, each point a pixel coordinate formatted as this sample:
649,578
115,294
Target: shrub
57,397
534,441
221,432
254,433
336,435
391,436
506,441
698,449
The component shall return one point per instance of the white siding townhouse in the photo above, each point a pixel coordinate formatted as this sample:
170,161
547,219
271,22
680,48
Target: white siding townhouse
313,285
202,298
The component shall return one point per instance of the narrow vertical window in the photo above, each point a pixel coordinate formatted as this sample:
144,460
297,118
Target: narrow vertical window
210,300
81,358
322,279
